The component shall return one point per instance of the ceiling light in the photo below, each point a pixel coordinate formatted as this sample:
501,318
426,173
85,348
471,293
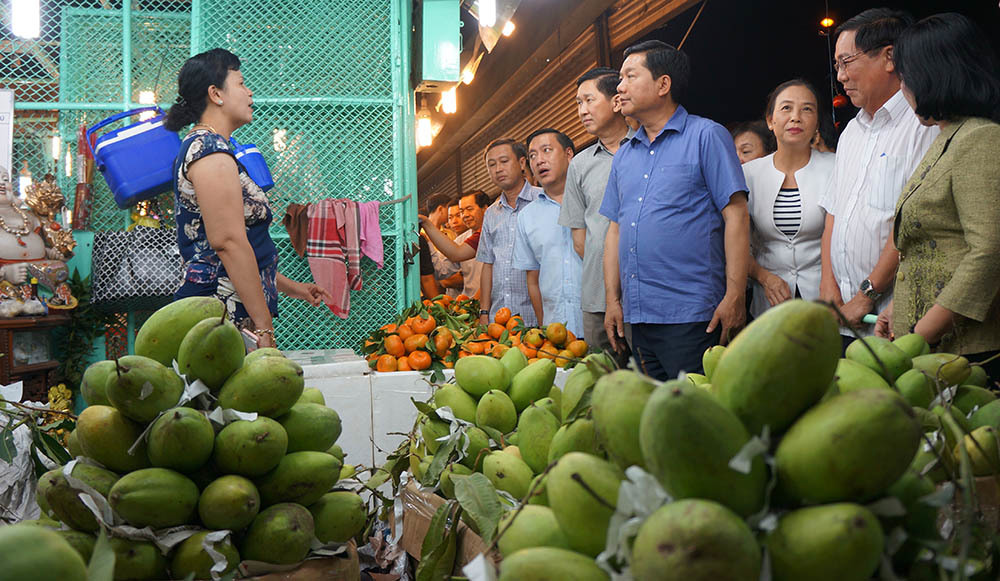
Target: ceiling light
449,101
25,18
508,29
488,12
425,131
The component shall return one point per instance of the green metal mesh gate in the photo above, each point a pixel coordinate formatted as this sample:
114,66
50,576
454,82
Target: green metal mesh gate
333,114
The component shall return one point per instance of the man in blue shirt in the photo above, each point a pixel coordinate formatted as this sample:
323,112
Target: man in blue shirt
676,253
543,248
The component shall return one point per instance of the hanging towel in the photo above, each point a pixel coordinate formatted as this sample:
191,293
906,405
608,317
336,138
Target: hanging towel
333,251
371,232
296,222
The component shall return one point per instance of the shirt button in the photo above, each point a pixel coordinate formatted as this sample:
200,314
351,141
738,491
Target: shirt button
633,276
633,250
640,198
633,224
645,176
901,276
651,152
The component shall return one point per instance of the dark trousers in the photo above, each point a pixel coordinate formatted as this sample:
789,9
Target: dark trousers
663,351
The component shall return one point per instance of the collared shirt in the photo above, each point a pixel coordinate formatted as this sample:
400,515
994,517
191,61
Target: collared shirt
496,247
876,155
586,180
667,197
543,245
472,269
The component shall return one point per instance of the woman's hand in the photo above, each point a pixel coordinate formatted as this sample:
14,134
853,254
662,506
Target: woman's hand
883,326
310,292
776,289
265,340
829,292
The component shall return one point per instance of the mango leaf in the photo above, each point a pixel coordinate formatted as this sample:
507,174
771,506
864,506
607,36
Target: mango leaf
102,560
425,408
494,434
51,447
478,497
8,451
582,406
441,459
504,336
437,553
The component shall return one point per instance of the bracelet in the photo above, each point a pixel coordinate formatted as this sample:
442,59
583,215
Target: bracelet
259,332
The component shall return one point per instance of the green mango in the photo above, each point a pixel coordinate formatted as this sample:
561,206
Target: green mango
935,460
106,435
851,376
312,395
337,452
987,415
555,394
338,516
462,405
532,383
957,415
537,490
311,426
141,387
34,552
250,448
983,449
263,352
211,351
929,421
913,345
161,335
155,497
514,361
479,374
138,560
886,353
181,439
82,543
688,439
508,472
430,430
281,534
191,558
478,441
45,481
94,384
551,406
778,366
695,540
710,359
970,397
536,427
949,368
550,564
576,436
920,520
229,503
301,477
422,467
533,526
73,445
835,542
849,448
697,378
617,404
581,378
64,501
496,410
269,386
916,388
582,516
447,483
977,376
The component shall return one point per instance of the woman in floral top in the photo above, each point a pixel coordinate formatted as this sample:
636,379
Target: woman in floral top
227,253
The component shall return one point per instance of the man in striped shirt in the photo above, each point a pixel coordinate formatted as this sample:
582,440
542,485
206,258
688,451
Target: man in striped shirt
877,153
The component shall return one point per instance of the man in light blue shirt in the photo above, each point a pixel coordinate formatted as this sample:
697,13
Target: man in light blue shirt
502,285
543,248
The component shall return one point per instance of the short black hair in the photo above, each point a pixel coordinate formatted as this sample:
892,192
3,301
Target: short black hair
607,80
197,74
519,151
561,137
481,198
664,59
435,201
758,128
876,27
949,65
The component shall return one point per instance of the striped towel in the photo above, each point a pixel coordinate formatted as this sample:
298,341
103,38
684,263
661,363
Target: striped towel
333,250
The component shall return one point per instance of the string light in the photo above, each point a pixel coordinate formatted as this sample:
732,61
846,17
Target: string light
147,98
425,131
449,101
488,12
56,147
25,18
508,29
826,22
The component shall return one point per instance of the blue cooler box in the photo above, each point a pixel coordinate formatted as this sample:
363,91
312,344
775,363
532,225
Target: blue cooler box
137,160
253,161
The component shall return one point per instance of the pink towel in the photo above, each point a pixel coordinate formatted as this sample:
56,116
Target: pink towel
333,251
371,233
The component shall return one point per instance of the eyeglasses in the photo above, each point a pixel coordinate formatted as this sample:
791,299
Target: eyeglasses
841,63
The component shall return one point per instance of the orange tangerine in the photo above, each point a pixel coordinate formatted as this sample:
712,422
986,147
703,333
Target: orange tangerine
533,337
415,342
514,321
564,358
420,360
403,364
404,331
502,316
556,332
495,330
394,346
499,349
386,363
578,348
422,325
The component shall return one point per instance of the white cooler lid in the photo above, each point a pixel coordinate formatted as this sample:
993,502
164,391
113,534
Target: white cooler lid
320,363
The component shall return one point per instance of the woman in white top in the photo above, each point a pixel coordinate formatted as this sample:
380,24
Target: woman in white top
784,190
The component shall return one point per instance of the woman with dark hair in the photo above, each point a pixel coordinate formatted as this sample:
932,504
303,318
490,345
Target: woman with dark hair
222,215
784,189
946,224
752,139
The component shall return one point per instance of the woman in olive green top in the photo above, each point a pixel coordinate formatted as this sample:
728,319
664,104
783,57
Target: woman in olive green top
947,226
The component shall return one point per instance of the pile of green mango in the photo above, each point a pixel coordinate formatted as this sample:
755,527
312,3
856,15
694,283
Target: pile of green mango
782,448
161,463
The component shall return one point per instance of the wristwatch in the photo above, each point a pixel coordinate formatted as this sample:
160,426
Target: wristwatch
868,289
483,312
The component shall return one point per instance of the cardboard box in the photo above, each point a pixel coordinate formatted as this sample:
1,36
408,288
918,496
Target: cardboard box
342,567
418,509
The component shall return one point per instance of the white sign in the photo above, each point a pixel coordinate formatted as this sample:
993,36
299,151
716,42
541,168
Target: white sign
6,132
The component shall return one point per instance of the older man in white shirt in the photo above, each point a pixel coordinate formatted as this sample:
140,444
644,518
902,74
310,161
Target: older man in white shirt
877,153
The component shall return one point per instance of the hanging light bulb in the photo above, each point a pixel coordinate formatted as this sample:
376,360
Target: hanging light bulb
425,131
25,18
508,29
69,163
488,12
449,101
56,147
467,76
147,98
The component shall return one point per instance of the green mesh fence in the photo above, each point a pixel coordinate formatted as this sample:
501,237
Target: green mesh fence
333,116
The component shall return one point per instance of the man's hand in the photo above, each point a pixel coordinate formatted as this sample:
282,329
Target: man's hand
614,325
855,309
484,319
731,314
883,327
776,289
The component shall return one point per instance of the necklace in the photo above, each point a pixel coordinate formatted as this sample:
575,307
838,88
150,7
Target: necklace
17,232
206,126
